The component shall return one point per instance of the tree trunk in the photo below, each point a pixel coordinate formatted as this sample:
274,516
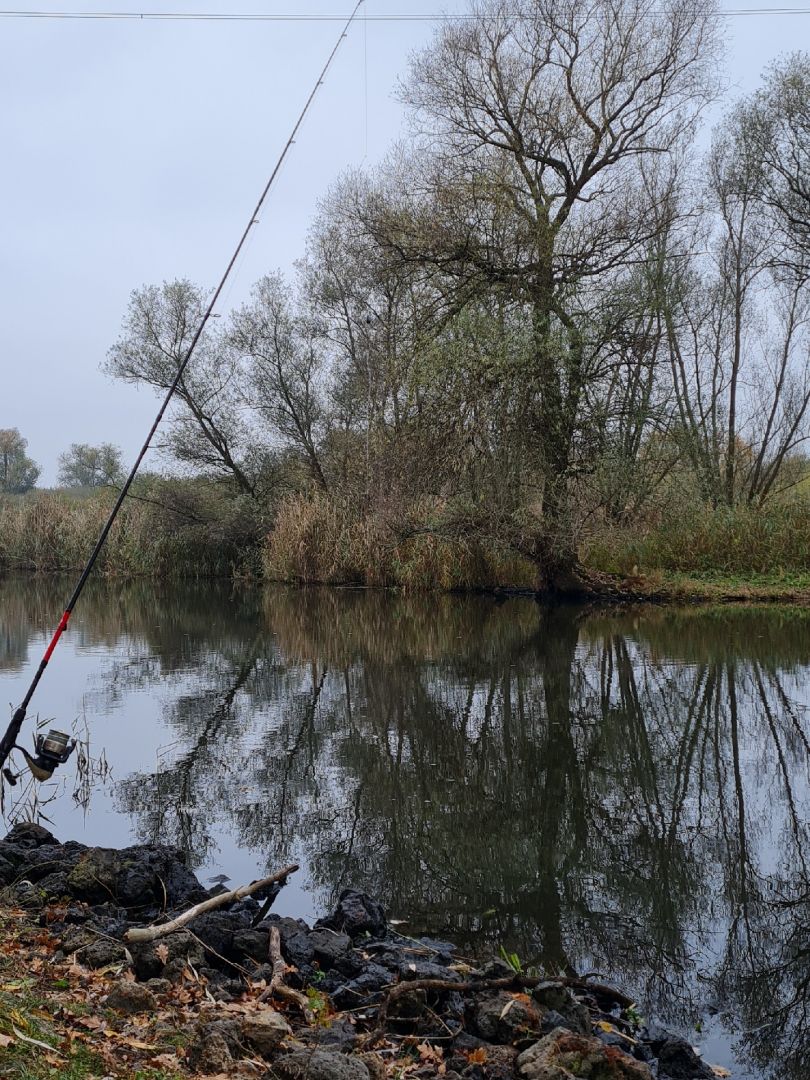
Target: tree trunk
555,410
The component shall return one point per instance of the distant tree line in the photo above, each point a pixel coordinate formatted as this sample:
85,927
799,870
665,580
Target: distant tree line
81,466
18,473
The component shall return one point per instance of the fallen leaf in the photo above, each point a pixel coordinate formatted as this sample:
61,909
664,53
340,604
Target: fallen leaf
603,1025
136,1044
477,1057
92,1023
33,1042
6,1040
430,1054
718,1070
165,1061
509,1005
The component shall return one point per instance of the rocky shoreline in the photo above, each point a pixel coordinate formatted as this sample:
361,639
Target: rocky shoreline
349,998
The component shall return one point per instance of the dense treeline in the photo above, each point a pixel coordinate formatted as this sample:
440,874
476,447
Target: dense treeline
548,325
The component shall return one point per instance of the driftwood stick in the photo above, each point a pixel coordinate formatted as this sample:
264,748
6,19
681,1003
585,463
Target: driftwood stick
151,933
276,959
277,987
474,986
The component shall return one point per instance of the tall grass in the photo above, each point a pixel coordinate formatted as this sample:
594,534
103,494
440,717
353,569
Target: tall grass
315,540
698,539
55,532
319,540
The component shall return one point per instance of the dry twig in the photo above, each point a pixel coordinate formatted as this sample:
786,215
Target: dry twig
151,933
474,986
277,987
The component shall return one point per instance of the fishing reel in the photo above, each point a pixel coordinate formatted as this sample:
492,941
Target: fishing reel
51,751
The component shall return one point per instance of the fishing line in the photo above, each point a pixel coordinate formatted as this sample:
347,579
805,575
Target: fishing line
215,17
365,78
54,749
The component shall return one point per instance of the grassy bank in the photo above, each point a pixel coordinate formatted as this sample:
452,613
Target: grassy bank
316,541
698,553
53,1022
197,530
164,530
744,553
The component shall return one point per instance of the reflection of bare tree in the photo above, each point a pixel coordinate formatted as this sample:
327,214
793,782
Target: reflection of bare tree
622,793
166,802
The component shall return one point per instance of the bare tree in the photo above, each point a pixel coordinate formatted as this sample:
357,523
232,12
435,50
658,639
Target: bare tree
284,351
777,121
211,432
531,124
738,325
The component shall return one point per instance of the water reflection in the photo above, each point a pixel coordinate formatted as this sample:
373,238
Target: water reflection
623,793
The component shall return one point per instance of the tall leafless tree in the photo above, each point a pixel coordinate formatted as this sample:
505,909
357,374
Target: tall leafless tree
531,124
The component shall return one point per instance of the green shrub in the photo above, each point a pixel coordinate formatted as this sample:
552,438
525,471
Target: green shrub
733,540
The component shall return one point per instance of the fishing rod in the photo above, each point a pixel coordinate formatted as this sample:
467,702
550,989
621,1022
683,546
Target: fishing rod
55,748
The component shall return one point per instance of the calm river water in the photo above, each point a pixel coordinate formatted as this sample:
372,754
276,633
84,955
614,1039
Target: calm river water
623,793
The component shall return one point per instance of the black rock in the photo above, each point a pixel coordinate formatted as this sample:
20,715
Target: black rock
678,1061
339,1035
142,876
216,929
8,871
388,956
40,862
253,944
146,870
327,983
550,1021
102,952
180,947
364,990
221,986
501,1018
27,834
495,969
352,964
553,995
297,950
425,969
356,913
328,946
55,886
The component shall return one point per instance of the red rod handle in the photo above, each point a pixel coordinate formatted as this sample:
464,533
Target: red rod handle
57,634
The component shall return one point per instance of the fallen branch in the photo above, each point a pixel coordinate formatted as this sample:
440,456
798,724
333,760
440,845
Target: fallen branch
602,989
151,933
277,987
474,986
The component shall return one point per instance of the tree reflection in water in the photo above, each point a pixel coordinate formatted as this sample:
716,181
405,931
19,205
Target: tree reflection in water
624,793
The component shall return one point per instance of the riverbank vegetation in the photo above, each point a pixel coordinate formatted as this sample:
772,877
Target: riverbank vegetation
550,337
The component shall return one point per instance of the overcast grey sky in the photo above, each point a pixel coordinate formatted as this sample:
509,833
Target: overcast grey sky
134,150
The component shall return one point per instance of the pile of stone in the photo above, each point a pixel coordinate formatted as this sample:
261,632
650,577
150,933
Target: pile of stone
531,1028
